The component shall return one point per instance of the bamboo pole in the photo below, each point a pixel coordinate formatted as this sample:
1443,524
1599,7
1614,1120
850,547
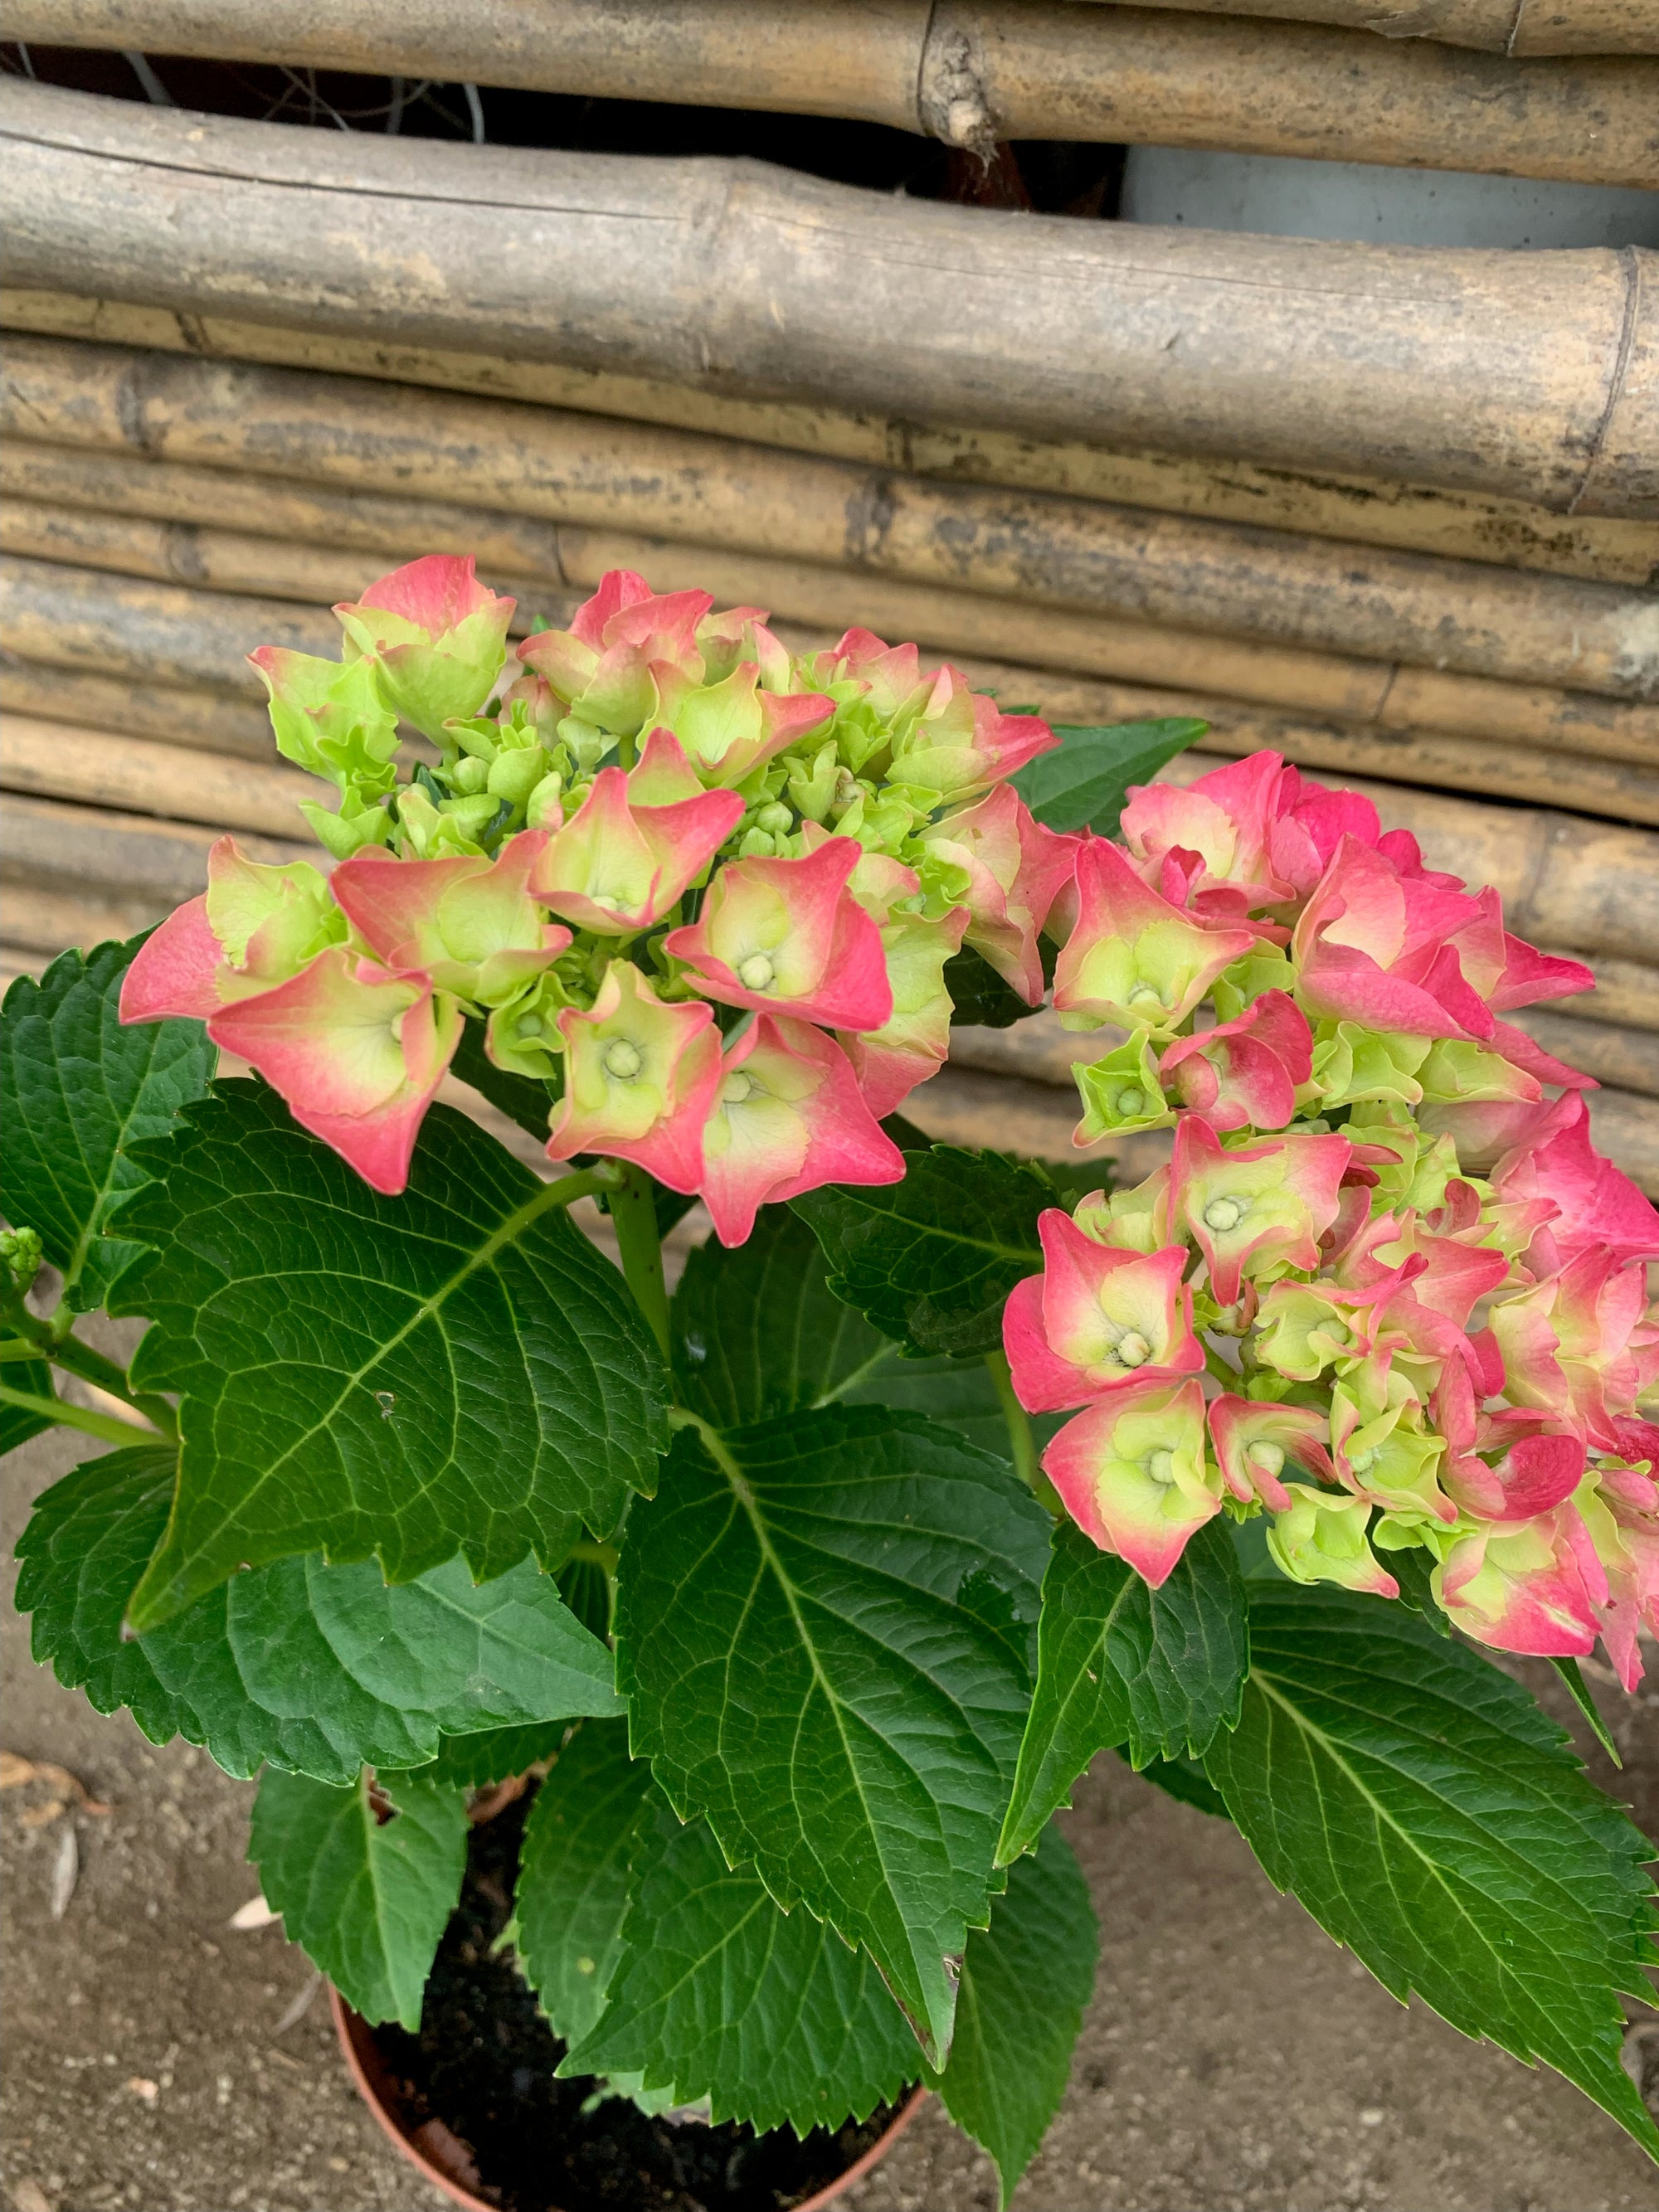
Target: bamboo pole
1500,27
1047,550
1526,374
52,841
76,619
1625,1059
969,74
37,918
1627,994
139,776
550,561
1463,526
208,720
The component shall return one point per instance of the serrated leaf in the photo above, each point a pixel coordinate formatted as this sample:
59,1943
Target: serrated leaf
1083,783
572,1873
458,1369
930,1261
823,1631
316,1668
367,1900
1118,1663
757,1331
1430,1818
77,1092
718,1994
1025,1983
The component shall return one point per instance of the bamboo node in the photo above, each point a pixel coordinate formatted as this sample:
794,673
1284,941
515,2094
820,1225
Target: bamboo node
951,93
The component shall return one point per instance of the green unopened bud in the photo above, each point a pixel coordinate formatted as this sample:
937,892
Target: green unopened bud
469,775
1224,1214
756,973
544,807
515,775
756,844
776,817
19,1254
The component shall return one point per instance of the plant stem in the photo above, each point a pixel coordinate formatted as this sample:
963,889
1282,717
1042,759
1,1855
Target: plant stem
634,1209
51,1339
76,1417
1022,1443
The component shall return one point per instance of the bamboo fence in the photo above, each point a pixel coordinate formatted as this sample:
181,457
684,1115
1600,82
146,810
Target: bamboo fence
969,75
1393,513
1531,376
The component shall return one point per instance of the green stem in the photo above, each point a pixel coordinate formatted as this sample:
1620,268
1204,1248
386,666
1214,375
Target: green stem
51,1339
76,1417
1021,1442
634,1209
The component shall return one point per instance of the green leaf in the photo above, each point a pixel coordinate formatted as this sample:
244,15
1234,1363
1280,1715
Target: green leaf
718,1994
1025,1981
1085,781
1158,1670
468,1762
1185,1780
316,1668
757,1331
823,1631
979,996
1573,1681
456,1369
77,1092
367,1900
572,1873
30,1378
521,1097
1430,1818
957,1392
930,1261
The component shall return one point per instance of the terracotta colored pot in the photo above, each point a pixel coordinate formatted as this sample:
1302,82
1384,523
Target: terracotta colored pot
444,2160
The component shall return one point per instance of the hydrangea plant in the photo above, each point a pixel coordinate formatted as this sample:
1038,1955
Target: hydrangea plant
809,1593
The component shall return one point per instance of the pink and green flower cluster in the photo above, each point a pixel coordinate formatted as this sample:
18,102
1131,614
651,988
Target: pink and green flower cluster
1386,1293
704,891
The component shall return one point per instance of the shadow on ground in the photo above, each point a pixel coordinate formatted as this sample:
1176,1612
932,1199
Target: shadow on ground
1234,2058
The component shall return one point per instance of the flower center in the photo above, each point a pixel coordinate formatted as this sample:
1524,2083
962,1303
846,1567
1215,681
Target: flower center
1269,1457
1222,1214
623,1059
531,1025
1145,994
1335,1333
1132,1099
1160,1467
737,1087
1133,1349
756,973
1363,1462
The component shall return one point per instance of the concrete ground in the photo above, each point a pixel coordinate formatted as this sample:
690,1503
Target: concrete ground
157,2059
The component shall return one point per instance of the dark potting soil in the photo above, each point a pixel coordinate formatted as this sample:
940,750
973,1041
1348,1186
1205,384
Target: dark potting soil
482,2065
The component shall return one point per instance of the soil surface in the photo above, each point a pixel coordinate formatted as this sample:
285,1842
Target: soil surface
1234,2058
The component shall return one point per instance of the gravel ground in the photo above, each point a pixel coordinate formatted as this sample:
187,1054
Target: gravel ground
1234,2057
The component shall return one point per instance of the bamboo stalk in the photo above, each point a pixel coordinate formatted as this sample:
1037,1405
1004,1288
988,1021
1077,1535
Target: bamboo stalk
52,841
1525,374
1500,27
226,560
969,74
396,530
1357,510
1625,1059
1075,555
1627,994
38,918
139,776
178,714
